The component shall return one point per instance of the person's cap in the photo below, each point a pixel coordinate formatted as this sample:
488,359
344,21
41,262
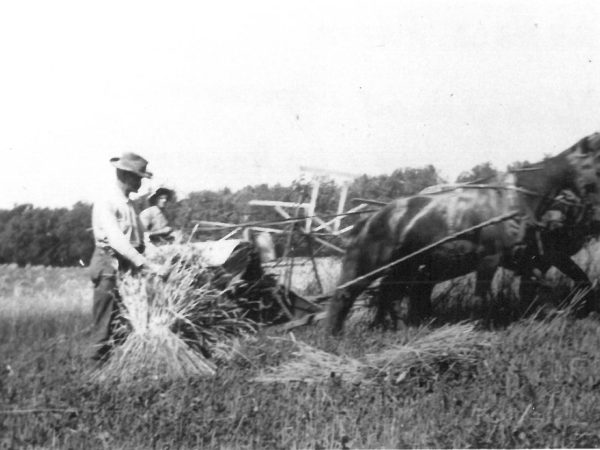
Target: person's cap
132,162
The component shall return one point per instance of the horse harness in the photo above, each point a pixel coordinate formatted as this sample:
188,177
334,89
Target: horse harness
564,210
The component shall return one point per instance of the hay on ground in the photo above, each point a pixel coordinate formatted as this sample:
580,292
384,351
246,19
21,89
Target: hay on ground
311,364
428,351
445,346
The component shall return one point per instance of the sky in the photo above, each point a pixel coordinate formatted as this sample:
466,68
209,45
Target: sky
228,93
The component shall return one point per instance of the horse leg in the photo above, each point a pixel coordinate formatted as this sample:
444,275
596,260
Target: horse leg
419,302
582,282
390,293
343,299
529,266
380,303
484,276
341,304
566,265
528,289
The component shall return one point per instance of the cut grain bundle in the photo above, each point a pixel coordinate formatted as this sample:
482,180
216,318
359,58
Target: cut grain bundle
428,354
313,365
175,324
459,344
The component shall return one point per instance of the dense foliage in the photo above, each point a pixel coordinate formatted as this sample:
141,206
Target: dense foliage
45,236
63,237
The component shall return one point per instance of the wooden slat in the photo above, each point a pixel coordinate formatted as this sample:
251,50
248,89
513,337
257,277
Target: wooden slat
231,233
327,244
323,224
368,201
350,211
215,224
345,230
317,170
278,203
282,212
269,230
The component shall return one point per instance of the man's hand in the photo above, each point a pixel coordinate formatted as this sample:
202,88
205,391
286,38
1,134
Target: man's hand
150,268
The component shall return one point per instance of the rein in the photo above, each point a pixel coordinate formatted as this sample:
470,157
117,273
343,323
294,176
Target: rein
502,187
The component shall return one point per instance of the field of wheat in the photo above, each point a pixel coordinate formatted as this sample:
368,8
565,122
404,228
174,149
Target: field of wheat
531,383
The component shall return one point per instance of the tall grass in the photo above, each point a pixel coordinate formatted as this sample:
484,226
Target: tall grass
538,387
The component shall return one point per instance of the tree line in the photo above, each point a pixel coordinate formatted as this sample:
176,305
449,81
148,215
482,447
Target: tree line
63,236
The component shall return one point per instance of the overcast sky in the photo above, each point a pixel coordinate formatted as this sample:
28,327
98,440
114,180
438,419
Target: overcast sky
224,93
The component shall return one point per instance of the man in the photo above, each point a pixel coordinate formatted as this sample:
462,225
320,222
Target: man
119,247
154,220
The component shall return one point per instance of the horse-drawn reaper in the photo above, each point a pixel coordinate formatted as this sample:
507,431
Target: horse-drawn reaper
417,242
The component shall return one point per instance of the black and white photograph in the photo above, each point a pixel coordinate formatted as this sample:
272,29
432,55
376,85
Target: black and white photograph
299,224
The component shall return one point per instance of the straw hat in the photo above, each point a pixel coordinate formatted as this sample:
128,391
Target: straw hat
132,162
157,192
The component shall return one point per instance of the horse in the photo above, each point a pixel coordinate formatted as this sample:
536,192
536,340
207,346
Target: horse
479,228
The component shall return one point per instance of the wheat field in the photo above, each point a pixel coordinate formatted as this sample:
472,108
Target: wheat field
536,386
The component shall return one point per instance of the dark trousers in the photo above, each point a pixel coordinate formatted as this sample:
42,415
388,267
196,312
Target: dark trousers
109,328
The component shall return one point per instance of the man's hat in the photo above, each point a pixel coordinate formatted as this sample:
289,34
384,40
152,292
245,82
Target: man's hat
157,192
132,163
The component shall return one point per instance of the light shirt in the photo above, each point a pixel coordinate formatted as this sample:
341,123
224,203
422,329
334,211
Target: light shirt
116,225
153,219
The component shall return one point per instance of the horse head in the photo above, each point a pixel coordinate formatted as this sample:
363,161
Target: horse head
576,169
584,158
